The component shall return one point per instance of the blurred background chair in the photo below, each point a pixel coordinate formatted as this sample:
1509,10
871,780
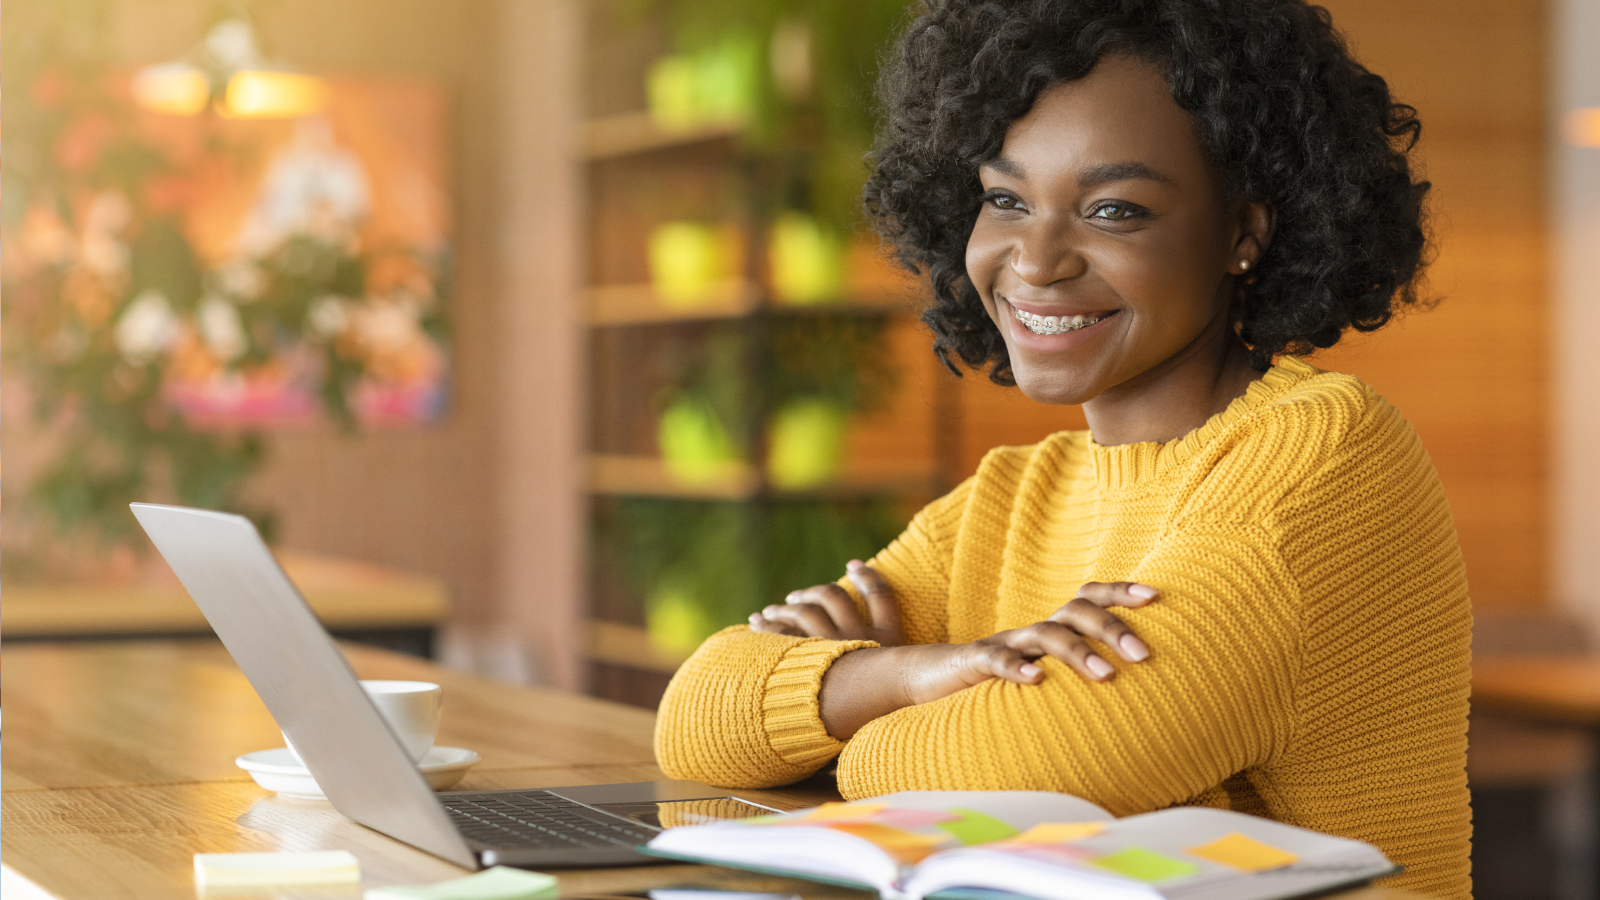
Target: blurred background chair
1533,782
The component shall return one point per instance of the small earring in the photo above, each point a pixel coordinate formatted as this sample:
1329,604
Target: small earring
1244,265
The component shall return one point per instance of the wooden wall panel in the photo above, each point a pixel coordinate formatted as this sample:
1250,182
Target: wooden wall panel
1472,374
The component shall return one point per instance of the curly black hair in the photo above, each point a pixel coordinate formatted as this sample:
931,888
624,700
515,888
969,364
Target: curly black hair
1284,114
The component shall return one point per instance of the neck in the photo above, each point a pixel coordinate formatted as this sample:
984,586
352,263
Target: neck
1177,396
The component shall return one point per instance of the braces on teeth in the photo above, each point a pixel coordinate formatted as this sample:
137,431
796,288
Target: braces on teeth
1053,324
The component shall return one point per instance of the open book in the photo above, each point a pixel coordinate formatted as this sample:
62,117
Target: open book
971,844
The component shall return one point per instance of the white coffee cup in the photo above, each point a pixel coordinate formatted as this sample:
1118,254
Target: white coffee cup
412,710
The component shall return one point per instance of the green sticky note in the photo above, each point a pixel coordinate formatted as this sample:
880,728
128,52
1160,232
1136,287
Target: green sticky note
1145,865
976,828
498,883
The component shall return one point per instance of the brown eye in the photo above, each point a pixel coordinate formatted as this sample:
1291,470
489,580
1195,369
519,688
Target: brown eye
1116,212
1003,201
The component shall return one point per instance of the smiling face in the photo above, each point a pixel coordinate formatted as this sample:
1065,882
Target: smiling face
1105,250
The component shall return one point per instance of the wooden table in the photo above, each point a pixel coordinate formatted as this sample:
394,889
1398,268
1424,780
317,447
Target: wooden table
117,767
366,602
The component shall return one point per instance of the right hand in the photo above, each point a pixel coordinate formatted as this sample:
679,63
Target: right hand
828,611
943,669
865,684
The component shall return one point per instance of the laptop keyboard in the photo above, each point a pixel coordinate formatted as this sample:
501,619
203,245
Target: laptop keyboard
538,820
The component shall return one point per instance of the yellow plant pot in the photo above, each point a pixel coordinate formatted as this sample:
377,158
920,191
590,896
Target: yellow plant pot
671,95
676,622
695,446
807,261
687,262
805,444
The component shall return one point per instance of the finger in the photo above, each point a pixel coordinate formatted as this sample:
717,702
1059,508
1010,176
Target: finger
1058,641
840,606
881,603
993,658
811,619
761,623
1117,593
1084,617
998,660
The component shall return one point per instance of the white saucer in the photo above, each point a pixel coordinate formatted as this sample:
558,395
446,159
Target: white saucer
278,770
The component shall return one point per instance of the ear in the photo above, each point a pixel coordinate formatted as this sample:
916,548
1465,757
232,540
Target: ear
1252,235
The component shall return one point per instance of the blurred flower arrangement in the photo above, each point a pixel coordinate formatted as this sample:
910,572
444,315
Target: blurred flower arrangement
154,367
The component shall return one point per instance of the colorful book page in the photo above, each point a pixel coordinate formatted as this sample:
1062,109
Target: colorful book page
1244,853
1145,865
905,846
913,818
1055,854
1058,832
977,828
840,812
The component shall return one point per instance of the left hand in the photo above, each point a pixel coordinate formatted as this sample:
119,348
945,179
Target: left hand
828,611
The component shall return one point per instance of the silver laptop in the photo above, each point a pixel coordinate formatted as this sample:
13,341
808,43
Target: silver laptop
356,759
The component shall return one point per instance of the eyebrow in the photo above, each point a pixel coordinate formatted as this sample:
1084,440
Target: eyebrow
1094,176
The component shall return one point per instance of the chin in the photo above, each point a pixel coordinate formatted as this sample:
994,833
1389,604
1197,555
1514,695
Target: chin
1054,388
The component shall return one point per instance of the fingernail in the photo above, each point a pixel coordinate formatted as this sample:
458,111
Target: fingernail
771,609
1133,648
853,564
791,597
1099,667
1029,670
1142,591
755,618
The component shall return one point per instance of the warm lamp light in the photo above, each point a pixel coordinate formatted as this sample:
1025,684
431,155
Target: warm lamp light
228,71
177,89
1583,127
264,93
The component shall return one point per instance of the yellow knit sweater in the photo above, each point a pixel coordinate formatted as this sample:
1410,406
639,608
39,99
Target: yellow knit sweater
1309,649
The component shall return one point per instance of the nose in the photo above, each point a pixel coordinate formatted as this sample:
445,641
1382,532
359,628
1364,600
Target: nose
1043,255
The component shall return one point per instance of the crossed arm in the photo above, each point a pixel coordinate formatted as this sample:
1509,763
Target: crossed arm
871,682
1022,709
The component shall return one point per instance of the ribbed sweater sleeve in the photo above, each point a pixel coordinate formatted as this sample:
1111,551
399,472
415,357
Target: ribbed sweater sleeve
742,712
1381,754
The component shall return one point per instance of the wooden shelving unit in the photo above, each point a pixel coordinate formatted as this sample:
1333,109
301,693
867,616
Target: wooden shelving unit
632,133
647,476
648,350
638,304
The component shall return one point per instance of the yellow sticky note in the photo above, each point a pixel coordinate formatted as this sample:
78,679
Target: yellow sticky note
230,870
842,812
1244,853
1059,832
905,846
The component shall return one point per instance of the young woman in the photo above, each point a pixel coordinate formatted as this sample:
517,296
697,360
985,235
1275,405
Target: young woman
1241,586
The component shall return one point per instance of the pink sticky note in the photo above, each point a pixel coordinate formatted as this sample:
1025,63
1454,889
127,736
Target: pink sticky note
912,818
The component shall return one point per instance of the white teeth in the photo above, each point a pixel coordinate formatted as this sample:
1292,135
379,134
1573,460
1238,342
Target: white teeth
1053,324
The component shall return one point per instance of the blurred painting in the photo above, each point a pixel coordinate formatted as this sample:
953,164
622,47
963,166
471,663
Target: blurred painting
344,214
